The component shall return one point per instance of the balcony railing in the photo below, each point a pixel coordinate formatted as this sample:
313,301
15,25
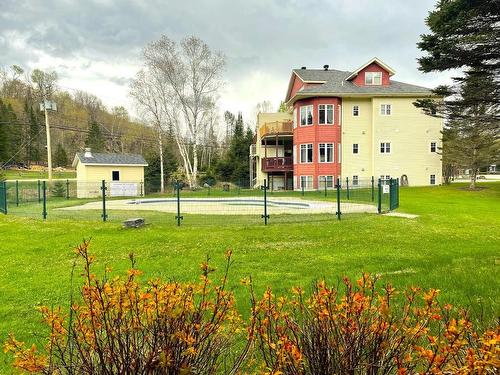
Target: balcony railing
276,127
277,164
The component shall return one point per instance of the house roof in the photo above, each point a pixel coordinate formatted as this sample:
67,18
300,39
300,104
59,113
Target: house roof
336,84
375,60
110,159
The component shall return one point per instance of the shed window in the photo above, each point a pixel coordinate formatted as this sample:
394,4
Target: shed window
115,175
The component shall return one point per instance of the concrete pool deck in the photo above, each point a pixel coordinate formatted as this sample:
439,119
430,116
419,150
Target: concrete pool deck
228,206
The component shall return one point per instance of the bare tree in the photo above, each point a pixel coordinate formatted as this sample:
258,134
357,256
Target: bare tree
90,102
148,91
189,77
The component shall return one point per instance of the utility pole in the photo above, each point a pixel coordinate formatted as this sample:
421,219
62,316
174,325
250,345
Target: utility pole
49,147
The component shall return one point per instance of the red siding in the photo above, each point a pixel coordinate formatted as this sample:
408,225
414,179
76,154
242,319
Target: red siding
373,67
316,134
297,85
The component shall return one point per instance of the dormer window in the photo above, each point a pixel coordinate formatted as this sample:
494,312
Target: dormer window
373,78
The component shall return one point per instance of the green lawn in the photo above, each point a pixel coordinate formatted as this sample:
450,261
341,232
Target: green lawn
36,175
453,246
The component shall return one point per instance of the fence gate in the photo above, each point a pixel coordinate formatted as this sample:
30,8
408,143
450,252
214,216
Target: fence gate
3,197
393,193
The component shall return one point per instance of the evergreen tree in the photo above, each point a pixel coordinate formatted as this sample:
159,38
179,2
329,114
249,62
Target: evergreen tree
60,156
95,140
235,165
4,135
10,135
465,35
33,152
282,107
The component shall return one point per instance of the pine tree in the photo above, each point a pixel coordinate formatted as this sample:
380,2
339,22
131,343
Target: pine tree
33,152
465,35
95,139
60,156
4,135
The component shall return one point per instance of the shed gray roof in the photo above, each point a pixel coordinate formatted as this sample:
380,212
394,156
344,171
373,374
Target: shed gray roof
335,82
112,159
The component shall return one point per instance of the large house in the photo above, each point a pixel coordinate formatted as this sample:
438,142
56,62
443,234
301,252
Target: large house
351,125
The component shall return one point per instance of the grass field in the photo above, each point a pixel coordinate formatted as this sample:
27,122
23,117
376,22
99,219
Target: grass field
454,246
36,175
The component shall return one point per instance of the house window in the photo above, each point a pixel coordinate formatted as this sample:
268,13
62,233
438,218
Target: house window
433,147
355,148
325,181
385,179
306,115
373,78
355,181
115,175
325,114
306,153
294,118
306,182
355,110
433,179
385,147
326,152
385,109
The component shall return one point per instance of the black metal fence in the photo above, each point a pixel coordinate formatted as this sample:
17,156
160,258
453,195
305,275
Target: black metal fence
178,204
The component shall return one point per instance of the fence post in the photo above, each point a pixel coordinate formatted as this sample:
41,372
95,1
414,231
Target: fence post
239,182
142,188
17,193
67,189
347,186
104,215
373,189
265,216
178,216
44,192
379,203
5,197
39,194
302,187
397,191
338,213
325,188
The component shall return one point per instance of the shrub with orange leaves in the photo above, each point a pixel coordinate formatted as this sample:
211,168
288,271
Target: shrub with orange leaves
364,330
122,327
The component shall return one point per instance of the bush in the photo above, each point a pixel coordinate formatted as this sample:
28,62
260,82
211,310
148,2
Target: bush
122,326
361,331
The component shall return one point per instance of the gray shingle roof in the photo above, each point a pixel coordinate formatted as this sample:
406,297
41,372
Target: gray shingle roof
112,159
335,83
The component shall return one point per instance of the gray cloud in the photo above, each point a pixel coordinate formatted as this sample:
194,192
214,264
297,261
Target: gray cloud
273,36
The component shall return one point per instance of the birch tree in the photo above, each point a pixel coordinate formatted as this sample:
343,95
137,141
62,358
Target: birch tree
188,76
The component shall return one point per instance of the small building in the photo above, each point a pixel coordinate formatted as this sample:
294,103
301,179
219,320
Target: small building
123,173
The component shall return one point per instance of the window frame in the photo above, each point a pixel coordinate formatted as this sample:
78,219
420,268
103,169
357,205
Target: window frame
355,150
326,114
113,176
308,109
385,106
435,147
326,144
432,179
355,110
384,147
355,180
306,178
372,76
307,149
325,181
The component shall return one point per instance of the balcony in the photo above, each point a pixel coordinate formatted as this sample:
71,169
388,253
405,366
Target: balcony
276,128
280,164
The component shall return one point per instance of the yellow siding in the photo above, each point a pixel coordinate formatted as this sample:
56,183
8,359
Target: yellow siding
89,177
409,131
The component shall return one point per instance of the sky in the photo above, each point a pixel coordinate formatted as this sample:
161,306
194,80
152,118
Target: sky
96,45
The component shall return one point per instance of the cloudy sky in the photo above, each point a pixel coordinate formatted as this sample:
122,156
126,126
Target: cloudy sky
95,45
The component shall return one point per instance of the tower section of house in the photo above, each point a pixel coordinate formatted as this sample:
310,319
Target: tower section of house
271,154
361,124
